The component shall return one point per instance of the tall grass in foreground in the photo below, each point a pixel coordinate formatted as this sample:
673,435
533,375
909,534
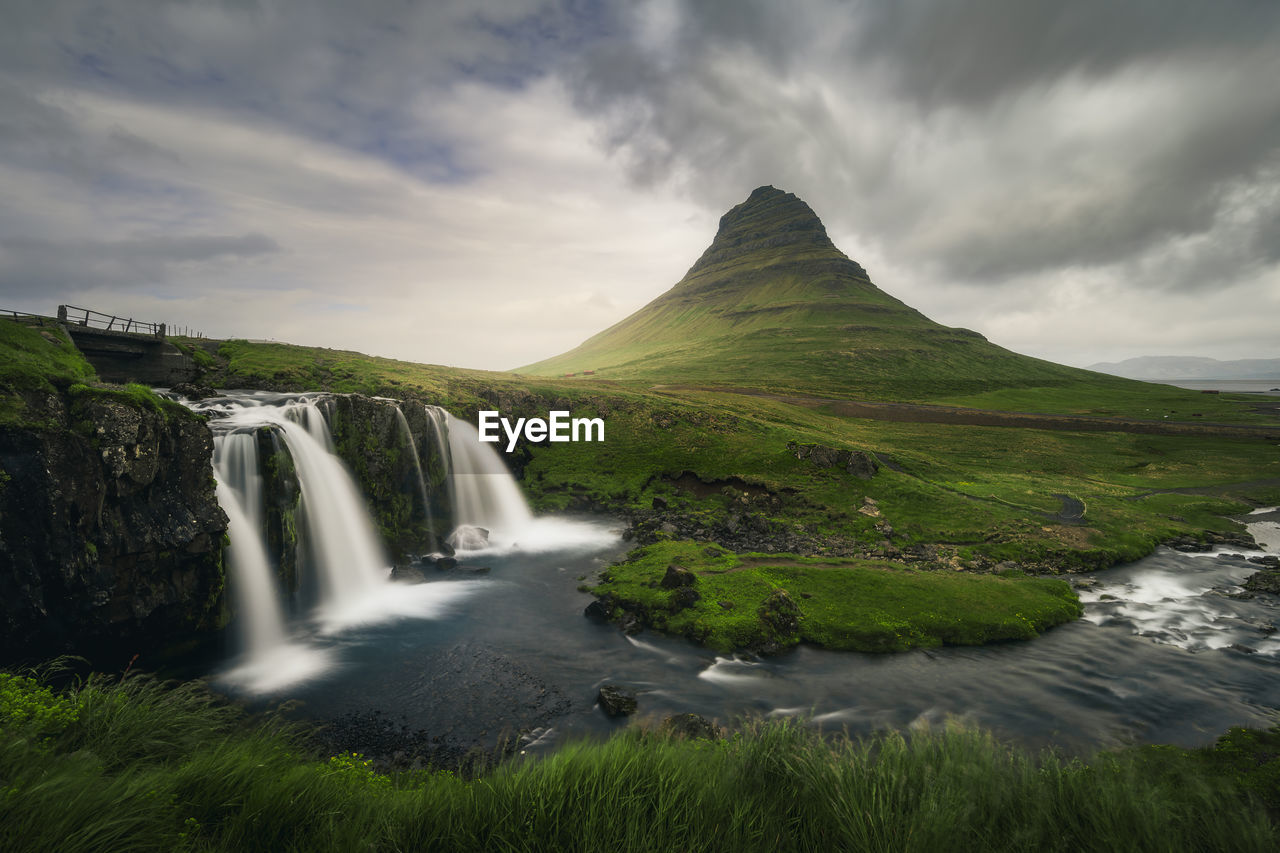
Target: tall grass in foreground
136,765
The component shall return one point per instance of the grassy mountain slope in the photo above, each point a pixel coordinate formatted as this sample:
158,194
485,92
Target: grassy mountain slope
772,303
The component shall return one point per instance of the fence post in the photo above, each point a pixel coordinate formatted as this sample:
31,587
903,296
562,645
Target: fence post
62,313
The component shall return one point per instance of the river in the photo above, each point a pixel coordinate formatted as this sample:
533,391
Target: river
1164,654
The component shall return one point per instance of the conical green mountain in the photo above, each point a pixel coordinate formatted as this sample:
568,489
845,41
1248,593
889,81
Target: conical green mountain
773,304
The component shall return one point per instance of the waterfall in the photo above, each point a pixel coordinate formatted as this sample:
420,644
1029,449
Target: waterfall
235,458
344,552
407,435
485,495
345,545
440,432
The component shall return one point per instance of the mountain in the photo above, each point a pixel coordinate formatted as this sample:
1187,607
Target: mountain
772,303
1188,367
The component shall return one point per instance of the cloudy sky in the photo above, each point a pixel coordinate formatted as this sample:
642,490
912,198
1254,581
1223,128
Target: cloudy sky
486,183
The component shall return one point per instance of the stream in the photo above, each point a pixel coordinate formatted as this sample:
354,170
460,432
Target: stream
1164,654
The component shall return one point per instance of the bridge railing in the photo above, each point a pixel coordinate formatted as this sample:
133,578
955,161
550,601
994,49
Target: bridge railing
22,315
110,322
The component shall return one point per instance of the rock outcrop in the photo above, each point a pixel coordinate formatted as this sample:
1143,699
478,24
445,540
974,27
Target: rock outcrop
859,463
110,532
368,436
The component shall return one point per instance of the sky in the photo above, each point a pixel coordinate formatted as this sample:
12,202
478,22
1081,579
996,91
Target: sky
486,183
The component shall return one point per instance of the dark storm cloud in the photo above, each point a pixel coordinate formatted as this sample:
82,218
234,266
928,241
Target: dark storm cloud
337,70
942,52
50,268
986,140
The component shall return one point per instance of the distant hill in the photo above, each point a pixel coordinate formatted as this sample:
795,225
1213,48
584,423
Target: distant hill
772,303
1187,367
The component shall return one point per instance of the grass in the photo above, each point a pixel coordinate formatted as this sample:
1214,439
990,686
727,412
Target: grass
848,604
130,764
988,491
1136,400
35,358
41,358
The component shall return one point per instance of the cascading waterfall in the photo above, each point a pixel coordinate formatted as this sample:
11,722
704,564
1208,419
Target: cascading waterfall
440,430
407,435
344,543
337,543
235,458
344,551
485,495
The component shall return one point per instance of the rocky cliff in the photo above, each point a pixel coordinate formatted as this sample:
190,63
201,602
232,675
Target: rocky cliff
110,532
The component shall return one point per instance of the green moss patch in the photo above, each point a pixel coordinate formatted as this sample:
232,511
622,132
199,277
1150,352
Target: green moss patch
851,604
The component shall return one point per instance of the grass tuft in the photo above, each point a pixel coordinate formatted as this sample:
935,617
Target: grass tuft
134,764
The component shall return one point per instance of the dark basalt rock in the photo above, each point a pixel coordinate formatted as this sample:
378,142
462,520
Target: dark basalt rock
1267,580
780,613
110,532
677,576
616,701
860,464
598,610
444,564
369,435
689,726
193,391
684,597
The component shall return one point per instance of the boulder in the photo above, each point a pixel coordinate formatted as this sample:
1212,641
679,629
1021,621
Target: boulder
780,613
193,391
1267,580
684,597
616,701
859,463
678,576
598,611
407,574
444,564
689,726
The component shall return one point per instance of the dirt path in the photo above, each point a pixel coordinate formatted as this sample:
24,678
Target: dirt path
930,414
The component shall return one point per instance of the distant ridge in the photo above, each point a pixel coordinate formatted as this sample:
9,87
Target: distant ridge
772,303
1191,367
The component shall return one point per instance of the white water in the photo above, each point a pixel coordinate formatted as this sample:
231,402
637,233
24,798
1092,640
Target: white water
1195,608
342,542
406,435
485,495
440,431
338,546
335,533
269,661
235,458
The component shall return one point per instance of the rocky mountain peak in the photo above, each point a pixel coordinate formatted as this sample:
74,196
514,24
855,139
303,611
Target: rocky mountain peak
769,219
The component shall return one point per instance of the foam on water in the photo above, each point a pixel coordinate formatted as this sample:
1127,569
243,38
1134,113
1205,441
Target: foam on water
1193,601
734,671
